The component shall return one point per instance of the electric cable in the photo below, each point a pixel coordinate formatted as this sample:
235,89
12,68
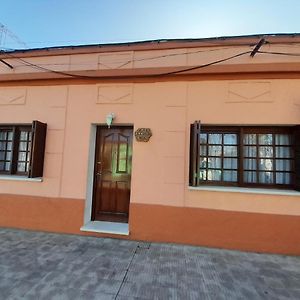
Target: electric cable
279,53
140,59
25,62
148,75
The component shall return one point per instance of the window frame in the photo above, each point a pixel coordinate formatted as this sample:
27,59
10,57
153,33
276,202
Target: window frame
197,128
16,129
35,149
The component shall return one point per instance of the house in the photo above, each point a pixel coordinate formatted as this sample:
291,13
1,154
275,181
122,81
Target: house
191,141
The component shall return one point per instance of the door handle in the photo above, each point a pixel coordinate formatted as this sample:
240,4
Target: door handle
98,174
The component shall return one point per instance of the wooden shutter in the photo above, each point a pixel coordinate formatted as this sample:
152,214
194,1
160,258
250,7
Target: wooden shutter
194,153
297,157
38,141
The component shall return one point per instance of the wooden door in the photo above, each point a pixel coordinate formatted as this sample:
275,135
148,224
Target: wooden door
112,174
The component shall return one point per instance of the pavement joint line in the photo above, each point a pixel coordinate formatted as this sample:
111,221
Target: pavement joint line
127,270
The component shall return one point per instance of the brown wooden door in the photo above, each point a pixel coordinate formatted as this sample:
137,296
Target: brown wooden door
112,175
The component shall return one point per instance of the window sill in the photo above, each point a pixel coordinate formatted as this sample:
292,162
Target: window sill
20,178
245,190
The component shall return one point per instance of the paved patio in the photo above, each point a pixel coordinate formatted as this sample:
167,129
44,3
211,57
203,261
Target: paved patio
36,265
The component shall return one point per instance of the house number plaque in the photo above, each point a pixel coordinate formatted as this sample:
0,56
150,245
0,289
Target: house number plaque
143,134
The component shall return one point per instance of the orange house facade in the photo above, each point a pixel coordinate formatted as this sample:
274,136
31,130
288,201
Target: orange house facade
185,141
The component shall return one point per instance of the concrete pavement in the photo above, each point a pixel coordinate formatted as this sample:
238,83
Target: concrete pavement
37,265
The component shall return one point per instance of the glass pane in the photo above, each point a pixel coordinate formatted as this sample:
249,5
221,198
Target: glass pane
8,155
250,151
202,175
23,135
22,156
283,178
266,164
266,177
230,150
9,145
250,139
266,151
283,152
214,163
214,175
203,150
215,150
2,155
283,165
21,167
22,146
10,135
250,164
265,139
7,166
2,145
3,135
203,163
230,163
215,138
250,177
230,176
2,164
230,139
29,135
282,139
203,138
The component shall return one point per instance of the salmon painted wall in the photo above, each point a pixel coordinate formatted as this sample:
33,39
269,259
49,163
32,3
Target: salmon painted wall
154,59
160,167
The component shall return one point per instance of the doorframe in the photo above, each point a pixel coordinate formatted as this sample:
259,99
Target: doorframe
87,218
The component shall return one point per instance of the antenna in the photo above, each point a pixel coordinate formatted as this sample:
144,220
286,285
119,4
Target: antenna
6,33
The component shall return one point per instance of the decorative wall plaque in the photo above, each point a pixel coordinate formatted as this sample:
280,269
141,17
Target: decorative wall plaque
143,134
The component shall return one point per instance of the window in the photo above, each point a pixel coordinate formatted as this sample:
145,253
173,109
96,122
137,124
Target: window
243,156
22,149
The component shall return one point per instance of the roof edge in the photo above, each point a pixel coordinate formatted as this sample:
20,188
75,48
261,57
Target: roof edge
157,44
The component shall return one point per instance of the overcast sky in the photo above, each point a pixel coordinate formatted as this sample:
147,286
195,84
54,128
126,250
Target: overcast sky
43,23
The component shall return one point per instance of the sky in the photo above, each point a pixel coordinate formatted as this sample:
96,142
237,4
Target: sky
46,23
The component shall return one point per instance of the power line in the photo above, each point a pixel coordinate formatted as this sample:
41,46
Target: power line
279,53
139,59
148,75
208,64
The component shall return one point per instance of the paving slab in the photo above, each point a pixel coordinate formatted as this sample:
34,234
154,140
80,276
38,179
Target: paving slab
38,265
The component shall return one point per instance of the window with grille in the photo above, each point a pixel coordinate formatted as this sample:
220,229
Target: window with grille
15,143
22,149
244,156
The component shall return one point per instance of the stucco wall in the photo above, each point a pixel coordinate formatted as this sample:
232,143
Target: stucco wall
160,167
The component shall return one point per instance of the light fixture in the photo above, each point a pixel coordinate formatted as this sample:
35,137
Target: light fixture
109,119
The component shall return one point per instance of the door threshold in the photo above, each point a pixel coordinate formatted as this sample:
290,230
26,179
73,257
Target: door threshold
106,227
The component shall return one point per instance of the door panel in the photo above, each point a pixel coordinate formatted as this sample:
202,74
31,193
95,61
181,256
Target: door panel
112,175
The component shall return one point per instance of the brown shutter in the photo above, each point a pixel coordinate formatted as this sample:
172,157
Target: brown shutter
37,149
297,157
194,153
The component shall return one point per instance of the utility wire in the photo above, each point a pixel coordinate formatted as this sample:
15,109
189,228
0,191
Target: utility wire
149,75
208,64
143,59
278,53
